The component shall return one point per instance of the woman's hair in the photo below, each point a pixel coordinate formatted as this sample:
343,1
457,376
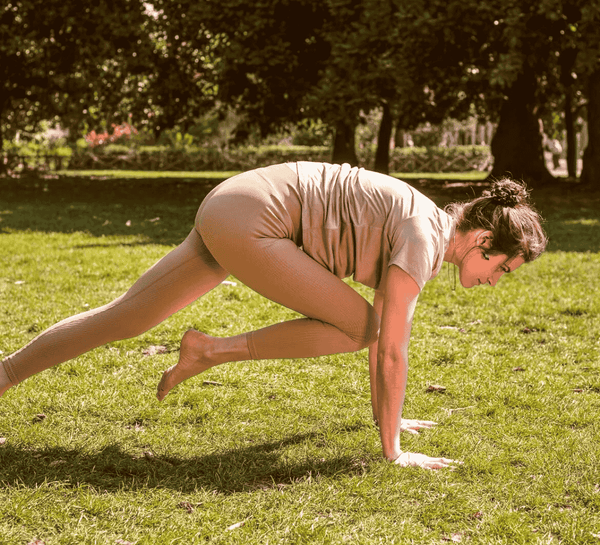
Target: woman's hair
506,212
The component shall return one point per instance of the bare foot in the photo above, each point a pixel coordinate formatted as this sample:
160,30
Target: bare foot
194,357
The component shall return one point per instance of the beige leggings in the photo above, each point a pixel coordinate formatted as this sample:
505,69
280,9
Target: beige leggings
241,230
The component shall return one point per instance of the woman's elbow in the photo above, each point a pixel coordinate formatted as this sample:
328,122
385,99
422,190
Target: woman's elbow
391,354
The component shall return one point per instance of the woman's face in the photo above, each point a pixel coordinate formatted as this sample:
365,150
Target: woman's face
476,270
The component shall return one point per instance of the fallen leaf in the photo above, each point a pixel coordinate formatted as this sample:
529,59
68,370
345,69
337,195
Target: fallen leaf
57,462
596,536
39,417
187,506
2,440
153,350
148,455
19,282
154,219
577,390
212,383
528,330
478,515
123,542
128,223
455,538
436,388
236,525
519,369
36,542
228,283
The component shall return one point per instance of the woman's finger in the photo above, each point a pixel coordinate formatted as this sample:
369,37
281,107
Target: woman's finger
416,424
449,461
426,423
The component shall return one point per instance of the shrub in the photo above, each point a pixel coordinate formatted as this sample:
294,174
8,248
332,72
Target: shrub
120,132
193,158
180,158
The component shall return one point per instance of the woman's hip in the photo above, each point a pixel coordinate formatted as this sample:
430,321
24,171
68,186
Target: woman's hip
262,203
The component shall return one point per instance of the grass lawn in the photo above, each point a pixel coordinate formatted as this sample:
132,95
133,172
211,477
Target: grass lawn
285,451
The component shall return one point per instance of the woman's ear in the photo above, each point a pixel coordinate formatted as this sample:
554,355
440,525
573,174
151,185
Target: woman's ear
485,239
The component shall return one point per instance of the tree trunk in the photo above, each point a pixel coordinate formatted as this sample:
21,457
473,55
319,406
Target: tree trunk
382,155
517,145
567,66
591,157
571,139
2,165
344,149
399,136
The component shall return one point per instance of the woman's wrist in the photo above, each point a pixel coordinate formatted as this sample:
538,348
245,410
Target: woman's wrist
393,456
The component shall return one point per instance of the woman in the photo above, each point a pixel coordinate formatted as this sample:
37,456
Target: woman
291,232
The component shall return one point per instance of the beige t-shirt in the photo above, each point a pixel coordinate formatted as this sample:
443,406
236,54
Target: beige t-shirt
357,222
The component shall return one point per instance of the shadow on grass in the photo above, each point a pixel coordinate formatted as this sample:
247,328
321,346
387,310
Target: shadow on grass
162,211
255,467
159,211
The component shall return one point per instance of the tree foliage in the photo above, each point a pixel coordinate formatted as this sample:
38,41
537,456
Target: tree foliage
267,54
69,58
165,63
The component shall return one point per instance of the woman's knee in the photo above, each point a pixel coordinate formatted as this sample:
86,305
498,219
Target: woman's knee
369,330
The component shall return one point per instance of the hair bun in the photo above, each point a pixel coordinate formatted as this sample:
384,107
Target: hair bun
508,193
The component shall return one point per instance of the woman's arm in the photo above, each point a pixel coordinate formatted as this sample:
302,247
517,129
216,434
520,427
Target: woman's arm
410,426
378,306
391,368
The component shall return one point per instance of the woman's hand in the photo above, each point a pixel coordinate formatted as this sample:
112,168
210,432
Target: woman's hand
411,426
414,459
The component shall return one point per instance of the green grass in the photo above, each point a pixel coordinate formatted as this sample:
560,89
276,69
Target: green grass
287,447
144,174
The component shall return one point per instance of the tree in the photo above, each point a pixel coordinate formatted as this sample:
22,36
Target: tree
588,67
504,66
545,49
264,56
352,81
68,58
387,56
183,82
517,143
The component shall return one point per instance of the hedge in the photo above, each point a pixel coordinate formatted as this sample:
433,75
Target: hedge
157,158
